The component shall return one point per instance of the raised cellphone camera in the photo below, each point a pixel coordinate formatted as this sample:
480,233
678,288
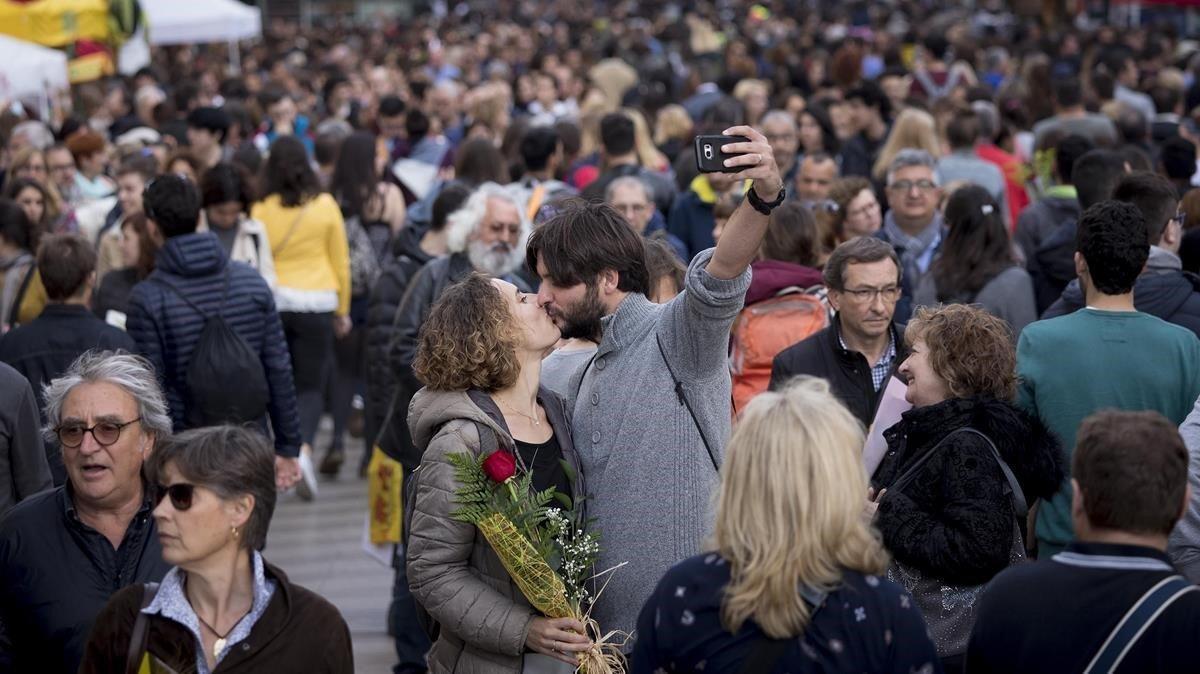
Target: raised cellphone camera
710,159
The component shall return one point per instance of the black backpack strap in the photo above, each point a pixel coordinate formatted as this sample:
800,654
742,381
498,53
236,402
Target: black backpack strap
171,286
683,400
141,626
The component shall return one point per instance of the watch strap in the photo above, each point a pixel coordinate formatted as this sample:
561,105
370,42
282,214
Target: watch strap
765,207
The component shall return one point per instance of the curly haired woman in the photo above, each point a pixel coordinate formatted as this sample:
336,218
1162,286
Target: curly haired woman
946,508
480,356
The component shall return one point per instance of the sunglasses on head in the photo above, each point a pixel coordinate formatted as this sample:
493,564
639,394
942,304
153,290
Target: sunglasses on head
181,494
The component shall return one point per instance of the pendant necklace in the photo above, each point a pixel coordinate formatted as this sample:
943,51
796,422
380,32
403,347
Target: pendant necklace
534,419
219,644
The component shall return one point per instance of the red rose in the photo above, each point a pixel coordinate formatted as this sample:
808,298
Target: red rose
500,466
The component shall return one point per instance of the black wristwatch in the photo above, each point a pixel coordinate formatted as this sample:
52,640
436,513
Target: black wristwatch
765,207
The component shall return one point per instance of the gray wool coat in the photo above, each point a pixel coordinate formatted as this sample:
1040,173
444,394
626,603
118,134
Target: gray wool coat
651,483
452,570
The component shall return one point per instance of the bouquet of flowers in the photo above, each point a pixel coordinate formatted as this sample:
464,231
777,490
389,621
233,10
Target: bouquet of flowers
545,549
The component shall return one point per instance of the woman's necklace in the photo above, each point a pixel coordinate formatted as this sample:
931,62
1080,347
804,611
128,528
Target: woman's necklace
219,644
533,418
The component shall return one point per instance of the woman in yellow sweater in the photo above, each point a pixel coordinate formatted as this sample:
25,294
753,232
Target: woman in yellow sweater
312,269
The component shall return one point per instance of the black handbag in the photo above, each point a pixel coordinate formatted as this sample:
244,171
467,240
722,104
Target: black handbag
949,609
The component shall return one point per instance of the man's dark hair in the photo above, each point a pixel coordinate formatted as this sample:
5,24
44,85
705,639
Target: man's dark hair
937,45
963,130
872,96
64,262
1132,125
143,165
416,125
1132,470
1166,99
391,106
617,134
270,96
1113,241
1068,92
479,161
173,203
185,95
227,182
1154,196
327,146
1178,158
583,240
1095,176
450,199
1136,158
863,250
1067,152
214,120
538,146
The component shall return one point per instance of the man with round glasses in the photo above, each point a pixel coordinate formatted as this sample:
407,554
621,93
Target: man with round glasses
64,552
863,345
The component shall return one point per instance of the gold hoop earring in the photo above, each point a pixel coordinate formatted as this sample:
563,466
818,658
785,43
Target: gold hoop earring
234,531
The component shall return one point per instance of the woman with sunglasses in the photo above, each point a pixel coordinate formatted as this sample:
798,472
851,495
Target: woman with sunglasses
221,605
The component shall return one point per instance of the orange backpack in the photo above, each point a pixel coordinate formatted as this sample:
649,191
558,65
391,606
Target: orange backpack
764,329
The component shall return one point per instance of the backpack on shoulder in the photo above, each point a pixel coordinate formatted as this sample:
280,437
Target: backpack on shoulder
225,379
764,329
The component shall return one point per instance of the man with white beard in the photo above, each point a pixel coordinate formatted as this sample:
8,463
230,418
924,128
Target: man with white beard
486,235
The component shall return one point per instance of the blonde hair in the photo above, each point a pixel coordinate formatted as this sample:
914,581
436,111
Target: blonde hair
790,510
914,129
648,154
745,88
673,122
593,107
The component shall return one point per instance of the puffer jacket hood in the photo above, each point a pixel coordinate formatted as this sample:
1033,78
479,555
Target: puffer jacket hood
192,255
1027,445
430,410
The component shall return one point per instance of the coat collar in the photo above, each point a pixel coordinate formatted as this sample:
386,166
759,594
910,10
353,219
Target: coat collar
624,325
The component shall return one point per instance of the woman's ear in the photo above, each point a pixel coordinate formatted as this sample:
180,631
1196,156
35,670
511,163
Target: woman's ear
239,509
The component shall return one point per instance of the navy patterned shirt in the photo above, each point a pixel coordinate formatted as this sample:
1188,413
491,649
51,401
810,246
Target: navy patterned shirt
867,624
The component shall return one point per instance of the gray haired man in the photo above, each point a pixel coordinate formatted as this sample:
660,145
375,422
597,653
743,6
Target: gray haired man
64,552
913,225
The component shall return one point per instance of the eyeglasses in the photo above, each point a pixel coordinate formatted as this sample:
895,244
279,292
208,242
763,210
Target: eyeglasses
104,433
907,185
1181,218
865,295
181,494
863,211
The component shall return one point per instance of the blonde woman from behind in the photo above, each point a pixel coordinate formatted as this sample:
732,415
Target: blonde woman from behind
794,579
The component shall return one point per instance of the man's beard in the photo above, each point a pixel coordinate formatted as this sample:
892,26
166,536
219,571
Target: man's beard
582,320
496,259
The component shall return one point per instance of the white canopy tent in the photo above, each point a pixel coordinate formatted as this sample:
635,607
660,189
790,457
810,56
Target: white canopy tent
27,70
200,22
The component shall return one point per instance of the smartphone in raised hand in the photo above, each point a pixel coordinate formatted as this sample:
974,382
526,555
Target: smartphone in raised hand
710,158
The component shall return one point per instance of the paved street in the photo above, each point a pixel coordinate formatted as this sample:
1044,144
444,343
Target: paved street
319,545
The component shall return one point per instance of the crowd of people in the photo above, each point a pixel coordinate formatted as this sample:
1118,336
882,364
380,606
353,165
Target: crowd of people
913,375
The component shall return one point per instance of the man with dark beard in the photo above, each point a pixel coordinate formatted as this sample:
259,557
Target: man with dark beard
651,410
486,235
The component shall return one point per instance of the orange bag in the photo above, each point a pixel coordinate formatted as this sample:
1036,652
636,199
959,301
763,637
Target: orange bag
764,329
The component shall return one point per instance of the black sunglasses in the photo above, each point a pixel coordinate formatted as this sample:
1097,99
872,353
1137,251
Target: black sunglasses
181,494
